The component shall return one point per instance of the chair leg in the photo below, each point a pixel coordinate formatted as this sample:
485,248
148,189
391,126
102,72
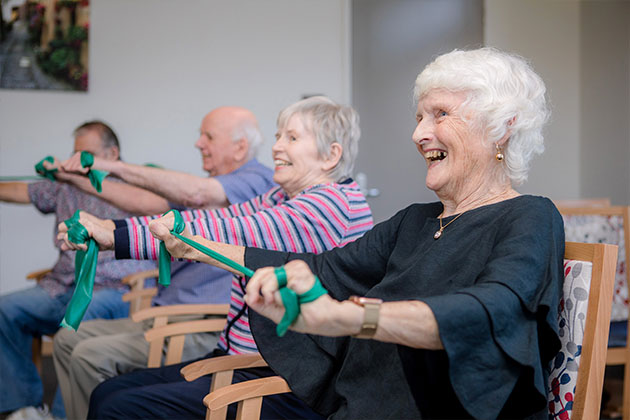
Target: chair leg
625,403
36,349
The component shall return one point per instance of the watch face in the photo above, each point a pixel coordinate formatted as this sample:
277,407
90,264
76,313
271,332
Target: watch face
373,301
360,300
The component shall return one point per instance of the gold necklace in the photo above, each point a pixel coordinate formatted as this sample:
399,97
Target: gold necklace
437,234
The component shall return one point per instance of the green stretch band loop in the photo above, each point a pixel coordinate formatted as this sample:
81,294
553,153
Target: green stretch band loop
178,228
290,299
84,273
164,257
292,302
96,177
47,173
20,178
211,253
291,310
281,276
314,293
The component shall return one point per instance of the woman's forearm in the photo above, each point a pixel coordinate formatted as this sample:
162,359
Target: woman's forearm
234,252
410,323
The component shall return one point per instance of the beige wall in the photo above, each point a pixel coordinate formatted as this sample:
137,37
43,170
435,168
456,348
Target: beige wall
581,50
156,67
605,104
547,34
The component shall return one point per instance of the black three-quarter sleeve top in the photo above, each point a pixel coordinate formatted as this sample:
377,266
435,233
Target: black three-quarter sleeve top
493,281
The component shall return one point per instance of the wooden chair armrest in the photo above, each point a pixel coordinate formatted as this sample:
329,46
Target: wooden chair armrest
245,390
186,327
216,364
149,292
37,275
183,309
133,279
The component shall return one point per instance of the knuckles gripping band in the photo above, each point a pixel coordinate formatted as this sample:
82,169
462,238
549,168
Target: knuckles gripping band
84,272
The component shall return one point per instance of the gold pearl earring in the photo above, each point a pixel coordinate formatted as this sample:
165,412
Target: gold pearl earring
499,156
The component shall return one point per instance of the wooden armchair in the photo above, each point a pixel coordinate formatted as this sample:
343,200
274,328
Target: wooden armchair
177,330
139,297
247,394
609,225
577,372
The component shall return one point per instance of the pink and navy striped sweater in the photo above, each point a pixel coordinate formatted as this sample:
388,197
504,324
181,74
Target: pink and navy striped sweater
319,218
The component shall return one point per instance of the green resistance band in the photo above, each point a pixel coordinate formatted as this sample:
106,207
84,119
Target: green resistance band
20,178
96,177
47,173
84,272
87,160
39,168
164,257
290,299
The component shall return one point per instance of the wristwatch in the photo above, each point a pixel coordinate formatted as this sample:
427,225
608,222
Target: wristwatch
372,307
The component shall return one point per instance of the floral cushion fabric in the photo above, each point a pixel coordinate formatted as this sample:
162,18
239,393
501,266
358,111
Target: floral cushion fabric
603,230
571,320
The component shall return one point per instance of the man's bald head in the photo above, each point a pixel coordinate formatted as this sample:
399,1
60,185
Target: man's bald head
229,137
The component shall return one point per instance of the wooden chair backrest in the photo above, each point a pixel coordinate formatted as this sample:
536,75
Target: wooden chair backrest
167,324
583,202
604,225
577,375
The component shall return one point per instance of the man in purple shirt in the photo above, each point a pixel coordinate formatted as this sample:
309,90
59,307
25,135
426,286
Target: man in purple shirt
38,310
101,349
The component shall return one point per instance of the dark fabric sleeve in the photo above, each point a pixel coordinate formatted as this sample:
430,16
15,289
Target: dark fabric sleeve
352,269
120,223
499,333
121,243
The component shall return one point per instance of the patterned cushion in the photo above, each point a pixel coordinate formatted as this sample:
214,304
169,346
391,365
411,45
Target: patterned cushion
603,230
571,321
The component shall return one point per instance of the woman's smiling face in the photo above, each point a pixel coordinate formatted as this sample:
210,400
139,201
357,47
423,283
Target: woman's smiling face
297,162
458,159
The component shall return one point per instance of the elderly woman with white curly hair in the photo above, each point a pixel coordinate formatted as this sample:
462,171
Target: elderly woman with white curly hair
448,309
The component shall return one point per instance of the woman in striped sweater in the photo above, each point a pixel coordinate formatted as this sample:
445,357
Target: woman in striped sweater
316,207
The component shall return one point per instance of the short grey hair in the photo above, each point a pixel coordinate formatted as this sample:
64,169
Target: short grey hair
504,93
330,123
251,132
105,132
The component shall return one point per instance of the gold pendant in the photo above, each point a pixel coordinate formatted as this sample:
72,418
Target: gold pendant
437,234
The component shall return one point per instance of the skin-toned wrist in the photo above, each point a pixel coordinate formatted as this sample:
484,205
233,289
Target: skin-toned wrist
353,316
112,166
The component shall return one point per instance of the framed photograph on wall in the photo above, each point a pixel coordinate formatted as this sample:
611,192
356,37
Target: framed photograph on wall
44,44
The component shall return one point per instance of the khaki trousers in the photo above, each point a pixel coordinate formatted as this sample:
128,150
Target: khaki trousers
101,349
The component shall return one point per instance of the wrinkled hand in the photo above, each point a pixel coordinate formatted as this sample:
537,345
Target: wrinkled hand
102,231
73,165
262,295
161,230
51,166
